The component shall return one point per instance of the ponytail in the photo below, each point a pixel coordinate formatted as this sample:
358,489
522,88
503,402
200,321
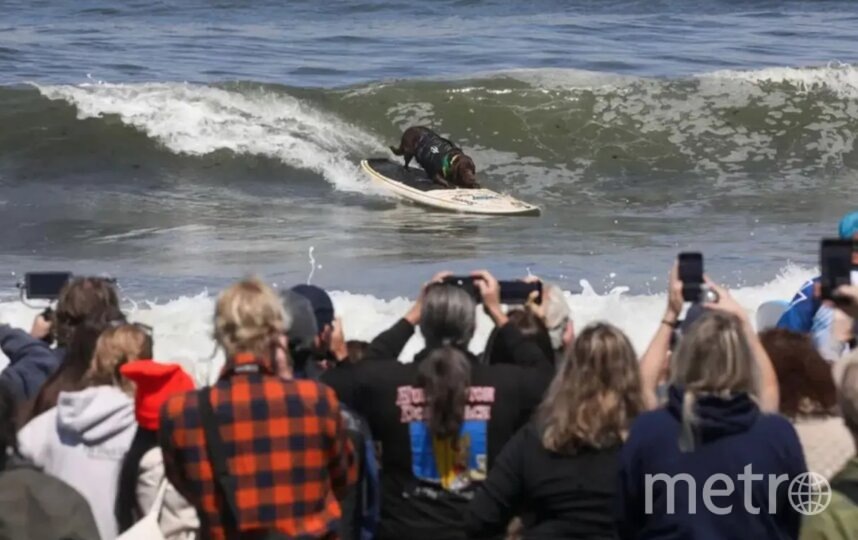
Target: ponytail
445,376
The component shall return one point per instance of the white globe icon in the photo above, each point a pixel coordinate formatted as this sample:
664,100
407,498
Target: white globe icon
809,493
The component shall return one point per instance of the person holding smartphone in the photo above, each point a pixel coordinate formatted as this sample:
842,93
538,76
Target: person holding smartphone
807,313
440,421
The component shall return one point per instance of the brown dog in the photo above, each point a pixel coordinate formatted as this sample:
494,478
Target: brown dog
443,161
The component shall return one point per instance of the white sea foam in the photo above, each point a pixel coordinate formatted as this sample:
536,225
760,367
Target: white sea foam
183,326
196,120
840,78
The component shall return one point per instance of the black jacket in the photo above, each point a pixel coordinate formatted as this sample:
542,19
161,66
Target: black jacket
426,489
559,496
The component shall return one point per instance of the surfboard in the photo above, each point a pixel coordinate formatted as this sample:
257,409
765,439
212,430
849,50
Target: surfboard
413,185
769,313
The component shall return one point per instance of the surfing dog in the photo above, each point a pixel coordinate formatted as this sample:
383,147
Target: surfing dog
443,161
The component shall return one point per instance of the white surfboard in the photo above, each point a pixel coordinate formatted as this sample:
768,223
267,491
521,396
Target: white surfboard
769,313
412,184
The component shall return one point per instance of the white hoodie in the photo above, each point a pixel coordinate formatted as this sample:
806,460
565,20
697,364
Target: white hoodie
83,441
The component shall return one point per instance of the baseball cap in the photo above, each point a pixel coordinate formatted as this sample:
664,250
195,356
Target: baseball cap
323,308
849,225
155,383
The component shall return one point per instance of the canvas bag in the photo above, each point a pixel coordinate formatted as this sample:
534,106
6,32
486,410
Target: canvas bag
148,528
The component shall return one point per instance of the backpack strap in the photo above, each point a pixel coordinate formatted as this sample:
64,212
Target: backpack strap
224,482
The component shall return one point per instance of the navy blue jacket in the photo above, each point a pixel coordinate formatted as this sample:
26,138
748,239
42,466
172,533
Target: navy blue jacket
732,434
31,362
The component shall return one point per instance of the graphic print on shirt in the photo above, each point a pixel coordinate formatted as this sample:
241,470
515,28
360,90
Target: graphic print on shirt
451,465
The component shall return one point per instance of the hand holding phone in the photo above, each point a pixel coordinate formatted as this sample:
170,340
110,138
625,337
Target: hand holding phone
835,262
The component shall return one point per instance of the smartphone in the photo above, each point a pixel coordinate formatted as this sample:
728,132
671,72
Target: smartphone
835,261
691,276
517,292
45,285
466,283
511,292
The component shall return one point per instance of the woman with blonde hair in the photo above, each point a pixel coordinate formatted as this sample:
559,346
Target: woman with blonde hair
262,431
84,439
712,463
559,472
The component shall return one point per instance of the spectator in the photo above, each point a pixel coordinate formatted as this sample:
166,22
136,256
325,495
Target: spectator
389,344
80,354
560,471
328,345
806,313
809,400
557,318
441,420
326,323
84,439
531,326
32,503
840,520
286,453
655,367
711,426
31,360
143,468
360,504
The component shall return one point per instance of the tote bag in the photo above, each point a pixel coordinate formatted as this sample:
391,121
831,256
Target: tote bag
148,527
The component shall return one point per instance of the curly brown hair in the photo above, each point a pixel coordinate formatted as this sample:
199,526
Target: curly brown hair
595,395
804,376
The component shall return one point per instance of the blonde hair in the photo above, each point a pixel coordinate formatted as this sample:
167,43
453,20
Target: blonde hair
249,317
714,358
115,347
595,395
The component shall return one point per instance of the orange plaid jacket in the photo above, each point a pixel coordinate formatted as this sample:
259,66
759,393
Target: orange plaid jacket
285,445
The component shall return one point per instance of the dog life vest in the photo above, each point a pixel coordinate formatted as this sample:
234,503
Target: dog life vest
436,155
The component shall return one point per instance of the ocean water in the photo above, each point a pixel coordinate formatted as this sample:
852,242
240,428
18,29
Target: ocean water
180,145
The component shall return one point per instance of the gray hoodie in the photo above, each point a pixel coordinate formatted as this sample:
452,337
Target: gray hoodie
83,441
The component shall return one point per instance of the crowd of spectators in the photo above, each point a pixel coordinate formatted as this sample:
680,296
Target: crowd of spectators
550,432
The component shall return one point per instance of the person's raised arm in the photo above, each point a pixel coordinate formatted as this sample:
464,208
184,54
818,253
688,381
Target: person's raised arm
524,352
769,391
388,345
653,361
489,289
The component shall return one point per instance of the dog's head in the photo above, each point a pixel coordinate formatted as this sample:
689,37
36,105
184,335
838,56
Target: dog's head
465,172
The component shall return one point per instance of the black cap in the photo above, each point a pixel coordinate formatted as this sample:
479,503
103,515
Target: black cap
323,308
